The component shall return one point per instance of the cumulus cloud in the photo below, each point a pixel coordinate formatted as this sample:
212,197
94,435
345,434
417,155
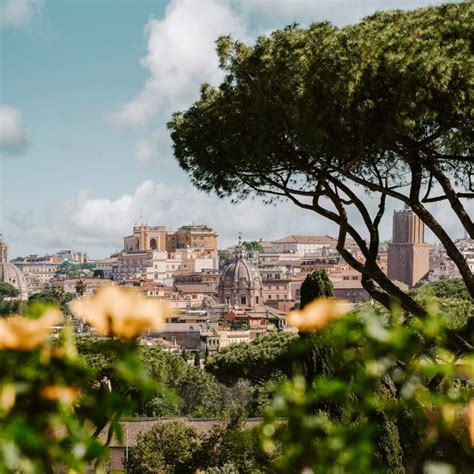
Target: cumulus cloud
87,221
97,223
19,13
145,151
13,135
157,145
180,56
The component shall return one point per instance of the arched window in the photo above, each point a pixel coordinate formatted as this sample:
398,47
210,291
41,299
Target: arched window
153,245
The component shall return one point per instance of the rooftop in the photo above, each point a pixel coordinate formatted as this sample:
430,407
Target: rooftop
306,239
194,288
133,428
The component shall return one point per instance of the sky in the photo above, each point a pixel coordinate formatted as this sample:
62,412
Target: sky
86,89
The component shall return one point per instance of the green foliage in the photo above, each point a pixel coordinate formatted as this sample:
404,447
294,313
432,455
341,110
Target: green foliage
451,288
52,409
253,245
81,287
316,285
9,302
55,297
11,307
304,96
391,400
8,291
451,300
200,394
265,358
231,447
175,447
180,389
168,448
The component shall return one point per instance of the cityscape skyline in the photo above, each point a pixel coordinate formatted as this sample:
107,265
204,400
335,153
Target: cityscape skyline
92,149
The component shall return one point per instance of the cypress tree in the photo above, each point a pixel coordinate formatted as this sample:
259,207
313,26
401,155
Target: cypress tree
316,285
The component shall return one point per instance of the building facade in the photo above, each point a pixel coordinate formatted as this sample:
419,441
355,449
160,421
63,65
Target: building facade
198,237
145,238
408,254
38,273
304,244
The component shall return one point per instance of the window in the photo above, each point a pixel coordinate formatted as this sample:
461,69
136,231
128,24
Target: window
257,300
243,300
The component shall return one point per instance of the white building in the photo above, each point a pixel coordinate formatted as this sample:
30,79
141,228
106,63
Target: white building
303,244
159,266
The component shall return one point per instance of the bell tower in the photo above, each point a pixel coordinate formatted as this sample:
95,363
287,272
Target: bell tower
408,254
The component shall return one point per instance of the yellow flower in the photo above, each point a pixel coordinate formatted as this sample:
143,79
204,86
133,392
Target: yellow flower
66,395
7,396
316,315
22,334
470,419
122,312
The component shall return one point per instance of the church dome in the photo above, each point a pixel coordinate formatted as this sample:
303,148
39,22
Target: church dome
240,283
242,274
10,273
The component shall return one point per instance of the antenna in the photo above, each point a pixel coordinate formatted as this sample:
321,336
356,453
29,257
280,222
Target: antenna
139,221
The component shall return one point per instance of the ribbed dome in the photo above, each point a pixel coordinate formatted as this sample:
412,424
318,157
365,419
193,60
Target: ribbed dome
10,273
240,273
240,284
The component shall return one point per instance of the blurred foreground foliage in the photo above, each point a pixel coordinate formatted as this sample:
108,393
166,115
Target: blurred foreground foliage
52,410
368,391
373,391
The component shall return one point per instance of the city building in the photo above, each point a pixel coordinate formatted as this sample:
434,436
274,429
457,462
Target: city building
146,238
104,267
408,254
303,244
195,293
72,256
153,253
198,237
38,272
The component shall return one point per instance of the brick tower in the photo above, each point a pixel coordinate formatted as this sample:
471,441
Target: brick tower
408,254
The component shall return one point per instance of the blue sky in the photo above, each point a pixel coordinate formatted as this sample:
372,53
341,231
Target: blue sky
86,88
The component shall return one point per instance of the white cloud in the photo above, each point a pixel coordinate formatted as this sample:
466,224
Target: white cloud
19,13
180,56
90,222
97,224
157,146
13,135
145,151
